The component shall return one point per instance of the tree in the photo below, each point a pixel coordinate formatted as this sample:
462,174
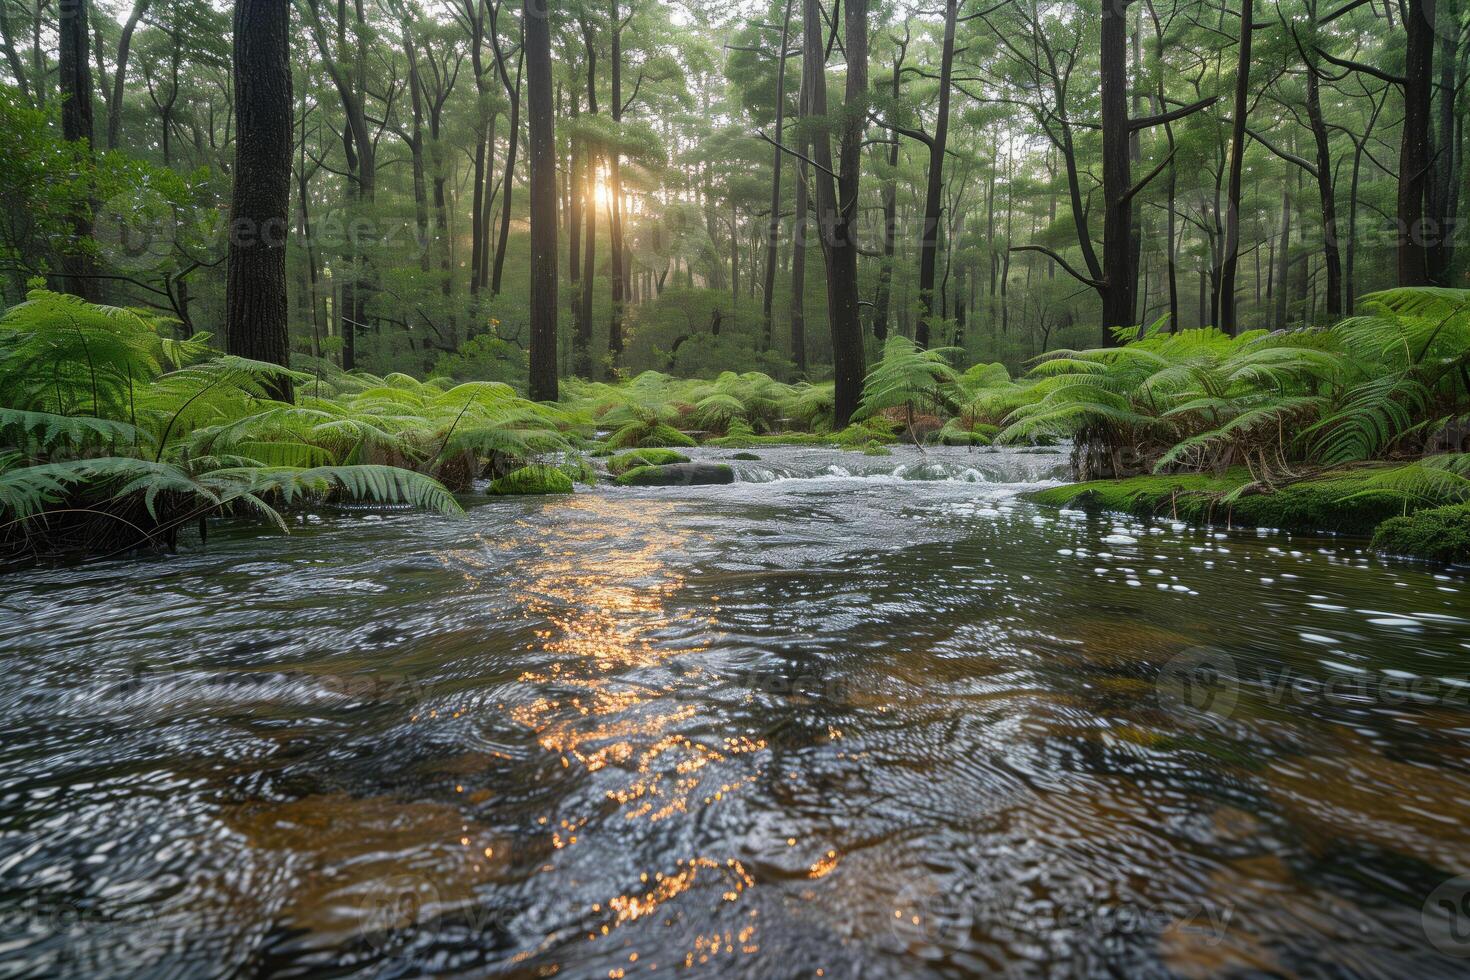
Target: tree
535,21
255,294
837,191
75,75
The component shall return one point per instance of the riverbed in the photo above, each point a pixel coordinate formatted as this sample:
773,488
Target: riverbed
848,716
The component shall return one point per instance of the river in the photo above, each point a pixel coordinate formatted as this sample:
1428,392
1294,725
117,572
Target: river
849,716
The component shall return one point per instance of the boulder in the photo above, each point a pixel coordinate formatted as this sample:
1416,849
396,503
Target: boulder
678,475
531,481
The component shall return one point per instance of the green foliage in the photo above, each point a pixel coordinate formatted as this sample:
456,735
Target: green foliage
909,377
106,419
484,358
1370,387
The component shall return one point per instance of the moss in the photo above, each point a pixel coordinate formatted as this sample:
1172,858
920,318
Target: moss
624,462
859,435
1335,502
531,480
745,441
637,436
876,448
678,474
1441,534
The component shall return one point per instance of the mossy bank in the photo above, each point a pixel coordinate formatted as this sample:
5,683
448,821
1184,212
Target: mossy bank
1432,522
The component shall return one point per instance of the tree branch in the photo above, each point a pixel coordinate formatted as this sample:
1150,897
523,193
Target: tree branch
799,156
1144,122
1377,73
1095,284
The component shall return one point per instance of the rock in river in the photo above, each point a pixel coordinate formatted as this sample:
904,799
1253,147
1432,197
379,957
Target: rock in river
677,475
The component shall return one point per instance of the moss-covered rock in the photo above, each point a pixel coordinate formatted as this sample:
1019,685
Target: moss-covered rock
747,457
1441,534
677,475
1335,502
876,448
624,462
531,481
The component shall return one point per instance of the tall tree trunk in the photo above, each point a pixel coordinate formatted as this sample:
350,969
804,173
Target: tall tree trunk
487,219
1283,257
837,201
1414,164
536,32
75,74
615,193
934,187
773,227
798,250
1118,278
416,151
513,139
120,71
1237,155
1443,194
255,290
582,342
1331,256
883,300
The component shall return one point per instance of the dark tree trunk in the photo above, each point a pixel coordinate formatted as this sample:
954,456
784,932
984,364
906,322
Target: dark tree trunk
1118,278
1331,255
255,291
582,342
537,45
799,225
416,151
512,92
1237,154
884,300
119,74
1414,236
615,195
75,75
1283,258
934,189
477,205
837,201
773,227
1443,194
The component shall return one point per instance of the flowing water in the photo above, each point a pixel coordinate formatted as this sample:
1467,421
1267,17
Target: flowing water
849,716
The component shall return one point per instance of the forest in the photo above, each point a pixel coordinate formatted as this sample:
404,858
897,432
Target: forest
889,487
